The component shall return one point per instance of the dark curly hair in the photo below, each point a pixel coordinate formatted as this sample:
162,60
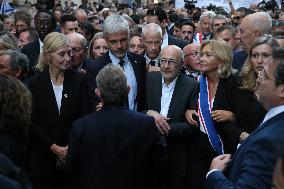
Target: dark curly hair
15,103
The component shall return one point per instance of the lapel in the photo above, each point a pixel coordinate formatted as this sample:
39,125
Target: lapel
254,133
178,91
156,92
106,59
135,66
219,94
66,93
47,92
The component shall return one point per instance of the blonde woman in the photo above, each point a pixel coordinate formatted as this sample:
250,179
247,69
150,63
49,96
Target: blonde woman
98,46
249,112
216,87
60,96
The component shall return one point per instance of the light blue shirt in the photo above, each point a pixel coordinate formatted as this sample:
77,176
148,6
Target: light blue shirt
273,112
131,79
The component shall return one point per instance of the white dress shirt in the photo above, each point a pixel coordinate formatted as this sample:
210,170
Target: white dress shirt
131,79
148,60
167,93
57,89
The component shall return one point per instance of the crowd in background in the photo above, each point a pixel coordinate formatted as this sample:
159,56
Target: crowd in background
198,76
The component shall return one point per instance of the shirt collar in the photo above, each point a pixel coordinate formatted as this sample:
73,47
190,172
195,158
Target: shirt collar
273,112
171,85
116,60
148,59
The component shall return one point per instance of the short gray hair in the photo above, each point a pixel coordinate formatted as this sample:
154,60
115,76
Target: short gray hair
115,23
209,14
18,61
112,83
217,17
152,27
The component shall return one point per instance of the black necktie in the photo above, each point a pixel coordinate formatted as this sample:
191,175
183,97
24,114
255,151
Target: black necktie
121,63
152,63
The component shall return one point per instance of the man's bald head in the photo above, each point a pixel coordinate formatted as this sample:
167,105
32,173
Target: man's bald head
191,57
253,26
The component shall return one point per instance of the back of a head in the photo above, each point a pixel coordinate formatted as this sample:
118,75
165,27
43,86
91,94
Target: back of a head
261,21
8,41
15,100
112,84
159,12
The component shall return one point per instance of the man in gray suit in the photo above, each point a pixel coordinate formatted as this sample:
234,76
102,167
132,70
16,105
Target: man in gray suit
168,95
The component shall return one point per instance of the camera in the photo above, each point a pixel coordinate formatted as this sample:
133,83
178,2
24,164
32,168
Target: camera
189,4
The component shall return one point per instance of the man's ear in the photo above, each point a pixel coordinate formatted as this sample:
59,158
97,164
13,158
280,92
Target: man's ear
98,93
257,33
281,91
17,72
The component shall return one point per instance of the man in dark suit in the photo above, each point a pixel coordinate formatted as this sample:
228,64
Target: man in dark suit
253,163
159,16
168,95
133,65
114,147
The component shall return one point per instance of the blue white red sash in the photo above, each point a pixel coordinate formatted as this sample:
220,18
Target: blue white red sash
204,110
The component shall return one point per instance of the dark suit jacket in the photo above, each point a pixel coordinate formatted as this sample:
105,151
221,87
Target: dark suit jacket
184,97
50,126
113,148
32,50
239,58
139,66
177,41
253,163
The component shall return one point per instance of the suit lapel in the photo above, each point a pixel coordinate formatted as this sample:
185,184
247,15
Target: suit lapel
135,67
253,134
157,92
178,91
48,93
66,93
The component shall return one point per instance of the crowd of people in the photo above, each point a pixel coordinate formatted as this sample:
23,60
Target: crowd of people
114,96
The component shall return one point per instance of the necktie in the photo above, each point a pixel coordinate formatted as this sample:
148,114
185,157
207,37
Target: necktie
121,63
152,63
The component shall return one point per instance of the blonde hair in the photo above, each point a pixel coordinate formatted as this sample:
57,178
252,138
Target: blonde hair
247,74
51,43
98,35
222,51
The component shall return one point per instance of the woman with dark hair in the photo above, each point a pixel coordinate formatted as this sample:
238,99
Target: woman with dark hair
15,118
60,96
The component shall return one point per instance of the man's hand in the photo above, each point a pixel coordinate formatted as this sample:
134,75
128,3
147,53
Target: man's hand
59,151
189,116
161,122
99,106
223,115
220,162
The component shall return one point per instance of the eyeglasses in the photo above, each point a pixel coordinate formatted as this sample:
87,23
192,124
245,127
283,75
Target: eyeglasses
171,62
193,54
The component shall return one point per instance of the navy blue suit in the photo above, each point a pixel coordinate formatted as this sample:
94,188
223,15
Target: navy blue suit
239,58
113,148
139,66
253,163
176,41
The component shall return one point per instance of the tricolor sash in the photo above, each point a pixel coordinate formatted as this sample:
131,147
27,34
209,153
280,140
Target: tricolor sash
204,109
